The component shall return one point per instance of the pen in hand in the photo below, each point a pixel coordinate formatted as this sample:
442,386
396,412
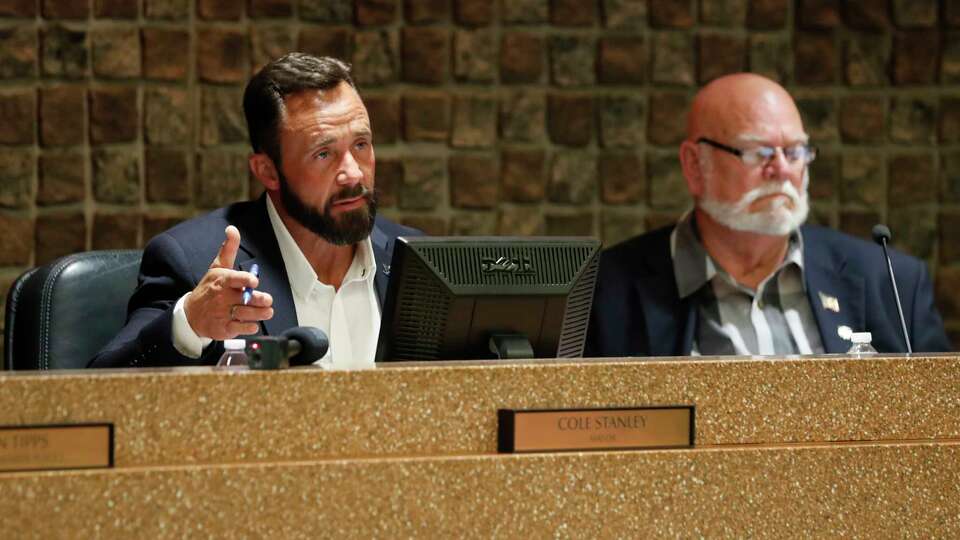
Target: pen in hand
248,291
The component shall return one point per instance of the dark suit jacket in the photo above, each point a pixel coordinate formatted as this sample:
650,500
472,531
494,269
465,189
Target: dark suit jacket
175,261
637,310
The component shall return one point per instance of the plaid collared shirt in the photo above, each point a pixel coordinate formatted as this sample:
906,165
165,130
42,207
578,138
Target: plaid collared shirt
775,319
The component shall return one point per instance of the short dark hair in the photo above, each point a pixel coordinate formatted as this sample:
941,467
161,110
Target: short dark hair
291,73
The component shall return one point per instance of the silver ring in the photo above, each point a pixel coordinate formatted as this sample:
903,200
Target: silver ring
233,312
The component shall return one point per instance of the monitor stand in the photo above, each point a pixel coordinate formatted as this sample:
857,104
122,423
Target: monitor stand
510,346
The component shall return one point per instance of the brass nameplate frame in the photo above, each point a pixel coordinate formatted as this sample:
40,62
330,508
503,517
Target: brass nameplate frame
595,429
53,447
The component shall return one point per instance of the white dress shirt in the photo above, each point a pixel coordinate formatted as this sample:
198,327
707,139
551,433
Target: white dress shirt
350,315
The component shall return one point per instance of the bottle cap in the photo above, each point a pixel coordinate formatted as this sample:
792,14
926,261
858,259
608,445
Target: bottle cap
234,344
861,337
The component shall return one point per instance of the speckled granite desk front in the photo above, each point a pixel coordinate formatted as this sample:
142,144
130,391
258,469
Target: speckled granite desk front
788,446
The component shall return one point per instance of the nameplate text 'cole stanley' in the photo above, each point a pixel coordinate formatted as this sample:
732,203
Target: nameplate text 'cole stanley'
32,448
595,429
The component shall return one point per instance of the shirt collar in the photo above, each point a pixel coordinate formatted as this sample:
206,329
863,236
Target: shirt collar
300,273
693,266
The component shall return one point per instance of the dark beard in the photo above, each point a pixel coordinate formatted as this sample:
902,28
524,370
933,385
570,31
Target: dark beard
351,227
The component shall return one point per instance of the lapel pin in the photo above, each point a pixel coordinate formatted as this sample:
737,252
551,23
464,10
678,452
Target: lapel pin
844,331
830,302
386,269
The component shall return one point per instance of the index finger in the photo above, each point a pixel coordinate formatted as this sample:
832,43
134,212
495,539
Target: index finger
228,249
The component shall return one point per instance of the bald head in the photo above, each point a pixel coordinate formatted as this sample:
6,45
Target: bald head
736,106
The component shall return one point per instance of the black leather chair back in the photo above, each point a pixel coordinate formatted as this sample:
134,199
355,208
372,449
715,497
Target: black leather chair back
61,314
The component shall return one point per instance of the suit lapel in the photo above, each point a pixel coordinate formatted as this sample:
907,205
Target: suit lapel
382,249
836,298
259,245
670,320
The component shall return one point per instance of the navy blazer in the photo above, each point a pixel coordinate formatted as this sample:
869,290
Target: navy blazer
637,310
175,261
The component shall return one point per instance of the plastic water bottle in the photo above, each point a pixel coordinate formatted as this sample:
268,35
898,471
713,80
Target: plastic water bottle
861,344
234,353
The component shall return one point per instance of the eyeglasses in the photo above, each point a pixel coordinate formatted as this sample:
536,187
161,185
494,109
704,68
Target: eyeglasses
761,155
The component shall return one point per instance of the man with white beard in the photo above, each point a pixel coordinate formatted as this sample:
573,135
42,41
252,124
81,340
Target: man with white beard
740,273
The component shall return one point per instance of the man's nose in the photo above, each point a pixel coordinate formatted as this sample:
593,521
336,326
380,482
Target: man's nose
777,166
349,172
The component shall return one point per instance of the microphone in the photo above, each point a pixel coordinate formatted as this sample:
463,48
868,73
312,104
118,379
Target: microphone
881,235
297,346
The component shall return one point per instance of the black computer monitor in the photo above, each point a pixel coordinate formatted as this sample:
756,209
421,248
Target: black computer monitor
466,298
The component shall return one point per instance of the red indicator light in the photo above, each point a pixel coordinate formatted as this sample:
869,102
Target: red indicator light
254,346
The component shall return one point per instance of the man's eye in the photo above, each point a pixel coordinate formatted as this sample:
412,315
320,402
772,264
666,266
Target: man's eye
362,144
322,154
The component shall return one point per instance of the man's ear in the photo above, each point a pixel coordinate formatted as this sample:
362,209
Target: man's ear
265,171
690,163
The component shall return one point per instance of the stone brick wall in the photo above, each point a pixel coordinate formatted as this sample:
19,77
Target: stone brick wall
122,117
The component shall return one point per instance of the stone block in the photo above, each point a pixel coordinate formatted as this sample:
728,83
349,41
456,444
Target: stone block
425,54
573,178
474,121
668,118
16,242
948,224
115,231
521,57
16,177
58,235
219,10
64,52
623,60
384,112
426,11
913,120
116,9
154,224
818,14
62,178
113,115
116,53
672,58
916,231
523,116
165,53
389,179
375,57
474,55
863,119
729,13
473,224
221,116
270,8
18,52
222,55
167,174
327,11
767,14
18,116
950,176
949,125
859,223
670,13
326,41
375,12
430,225
623,178
814,58
950,59
820,118
915,13
911,179
625,14
623,120
580,224
948,292
221,178
570,119
862,179
18,8
116,176
65,9
572,60
616,228
473,12
572,13
268,42
166,9
866,57
62,115
867,14
426,117
667,187
474,180
423,182
659,219
720,54
824,176
523,175
767,54
525,11
951,13
915,54
168,116
520,221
